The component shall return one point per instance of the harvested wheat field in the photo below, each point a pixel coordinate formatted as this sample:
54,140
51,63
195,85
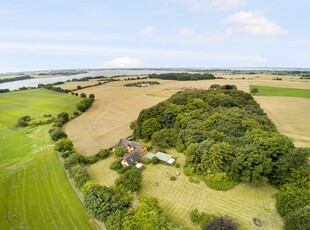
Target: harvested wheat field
109,117
290,115
115,107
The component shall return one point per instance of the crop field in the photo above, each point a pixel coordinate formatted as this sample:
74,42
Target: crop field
291,116
117,106
35,192
279,91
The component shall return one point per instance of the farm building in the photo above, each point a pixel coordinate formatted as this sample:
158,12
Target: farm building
131,146
134,152
130,159
165,158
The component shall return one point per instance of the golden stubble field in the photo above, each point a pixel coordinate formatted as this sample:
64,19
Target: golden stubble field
116,107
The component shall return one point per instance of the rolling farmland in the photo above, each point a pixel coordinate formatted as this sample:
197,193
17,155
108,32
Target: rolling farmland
35,192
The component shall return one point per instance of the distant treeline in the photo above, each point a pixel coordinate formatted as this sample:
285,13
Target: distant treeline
66,73
51,87
4,90
183,76
15,78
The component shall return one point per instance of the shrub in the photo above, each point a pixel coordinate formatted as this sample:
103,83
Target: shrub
63,145
92,96
254,90
194,216
205,219
87,186
116,165
155,160
84,104
119,151
131,180
220,181
79,175
65,154
76,113
177,165
300,219
223,223
194,180
173,178
146,161
57,134
23,121
101,155
83,95
291,198
72,160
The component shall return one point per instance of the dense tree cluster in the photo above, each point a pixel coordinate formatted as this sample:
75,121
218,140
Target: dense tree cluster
222,131
148,215
102,202
51,87
23,121
183,76
15,78
131,180
84,104
227,138
4,90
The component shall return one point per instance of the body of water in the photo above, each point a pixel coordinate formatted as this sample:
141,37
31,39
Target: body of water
47,80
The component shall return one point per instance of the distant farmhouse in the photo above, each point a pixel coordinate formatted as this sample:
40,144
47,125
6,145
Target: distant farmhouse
134,152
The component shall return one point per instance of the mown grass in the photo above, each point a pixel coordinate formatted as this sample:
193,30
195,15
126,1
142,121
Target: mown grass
34,191
279,91
179,197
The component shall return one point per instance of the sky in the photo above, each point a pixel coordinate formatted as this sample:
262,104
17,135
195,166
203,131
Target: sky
67,34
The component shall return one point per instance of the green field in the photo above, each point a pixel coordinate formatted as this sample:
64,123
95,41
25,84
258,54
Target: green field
279,91
34,192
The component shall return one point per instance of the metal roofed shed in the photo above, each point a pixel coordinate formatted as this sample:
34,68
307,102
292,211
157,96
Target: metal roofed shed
164,157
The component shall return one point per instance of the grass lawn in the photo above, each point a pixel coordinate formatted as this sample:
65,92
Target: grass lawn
179,197
279,91
34,191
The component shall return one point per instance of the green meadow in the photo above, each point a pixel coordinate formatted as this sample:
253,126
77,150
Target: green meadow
279,91
34,191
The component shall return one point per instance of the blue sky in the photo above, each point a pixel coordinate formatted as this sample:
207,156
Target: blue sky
63,34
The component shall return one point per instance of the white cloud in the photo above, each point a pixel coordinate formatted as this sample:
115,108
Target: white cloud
186,30
256,23
148,30
258,61
215,4
123,62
